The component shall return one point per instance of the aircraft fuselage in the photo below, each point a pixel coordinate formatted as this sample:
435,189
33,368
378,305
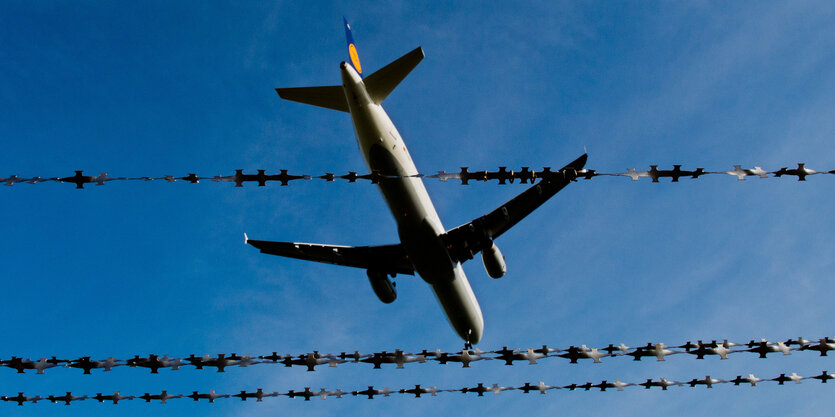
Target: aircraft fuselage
418,224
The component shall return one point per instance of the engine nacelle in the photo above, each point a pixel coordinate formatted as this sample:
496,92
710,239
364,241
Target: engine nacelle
493,261
382,285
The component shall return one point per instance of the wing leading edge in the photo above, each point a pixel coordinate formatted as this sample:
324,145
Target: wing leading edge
390,259
467,240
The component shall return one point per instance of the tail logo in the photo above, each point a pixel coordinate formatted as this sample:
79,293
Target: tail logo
352,50
355,58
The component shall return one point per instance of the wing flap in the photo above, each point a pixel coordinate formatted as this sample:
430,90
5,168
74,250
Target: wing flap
386,258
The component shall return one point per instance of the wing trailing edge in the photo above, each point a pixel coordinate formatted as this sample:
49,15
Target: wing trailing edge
389,259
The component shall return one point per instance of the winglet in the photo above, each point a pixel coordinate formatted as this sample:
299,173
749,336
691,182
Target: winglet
352,49
246,239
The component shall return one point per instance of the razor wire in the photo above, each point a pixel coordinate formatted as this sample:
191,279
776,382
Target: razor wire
399,358
503,176
479,390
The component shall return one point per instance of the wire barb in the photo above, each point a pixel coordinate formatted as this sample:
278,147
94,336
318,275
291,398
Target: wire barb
502,176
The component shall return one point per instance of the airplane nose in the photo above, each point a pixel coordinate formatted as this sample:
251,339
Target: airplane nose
343,65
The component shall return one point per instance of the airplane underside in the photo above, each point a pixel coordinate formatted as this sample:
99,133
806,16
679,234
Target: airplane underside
425,247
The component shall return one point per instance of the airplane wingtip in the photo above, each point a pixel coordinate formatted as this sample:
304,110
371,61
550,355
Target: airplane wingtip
246,239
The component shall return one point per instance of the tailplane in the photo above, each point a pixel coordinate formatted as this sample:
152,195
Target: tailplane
329,97
382,82
379,84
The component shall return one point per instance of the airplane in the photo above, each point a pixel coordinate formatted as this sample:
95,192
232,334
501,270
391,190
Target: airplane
426,247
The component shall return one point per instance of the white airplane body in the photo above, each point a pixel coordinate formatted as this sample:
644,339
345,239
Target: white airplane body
426,247
418,223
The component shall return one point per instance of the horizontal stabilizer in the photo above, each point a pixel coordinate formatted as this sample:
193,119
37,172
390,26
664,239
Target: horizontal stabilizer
382,82
330,97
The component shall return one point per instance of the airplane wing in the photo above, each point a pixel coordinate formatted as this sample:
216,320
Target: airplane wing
390,259
465,241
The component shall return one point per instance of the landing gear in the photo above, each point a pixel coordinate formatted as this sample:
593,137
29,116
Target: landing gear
467,344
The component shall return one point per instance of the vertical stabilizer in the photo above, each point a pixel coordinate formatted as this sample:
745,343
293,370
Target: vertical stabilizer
352,49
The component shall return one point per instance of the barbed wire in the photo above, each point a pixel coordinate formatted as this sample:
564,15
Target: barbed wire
479,389
399,359
503,176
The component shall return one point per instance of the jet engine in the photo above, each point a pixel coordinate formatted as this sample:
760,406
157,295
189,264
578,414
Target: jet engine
382,285
493,261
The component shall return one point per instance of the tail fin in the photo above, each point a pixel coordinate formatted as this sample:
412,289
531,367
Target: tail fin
352,49
379,84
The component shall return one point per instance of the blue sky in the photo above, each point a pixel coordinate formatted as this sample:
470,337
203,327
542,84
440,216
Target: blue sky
156,88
